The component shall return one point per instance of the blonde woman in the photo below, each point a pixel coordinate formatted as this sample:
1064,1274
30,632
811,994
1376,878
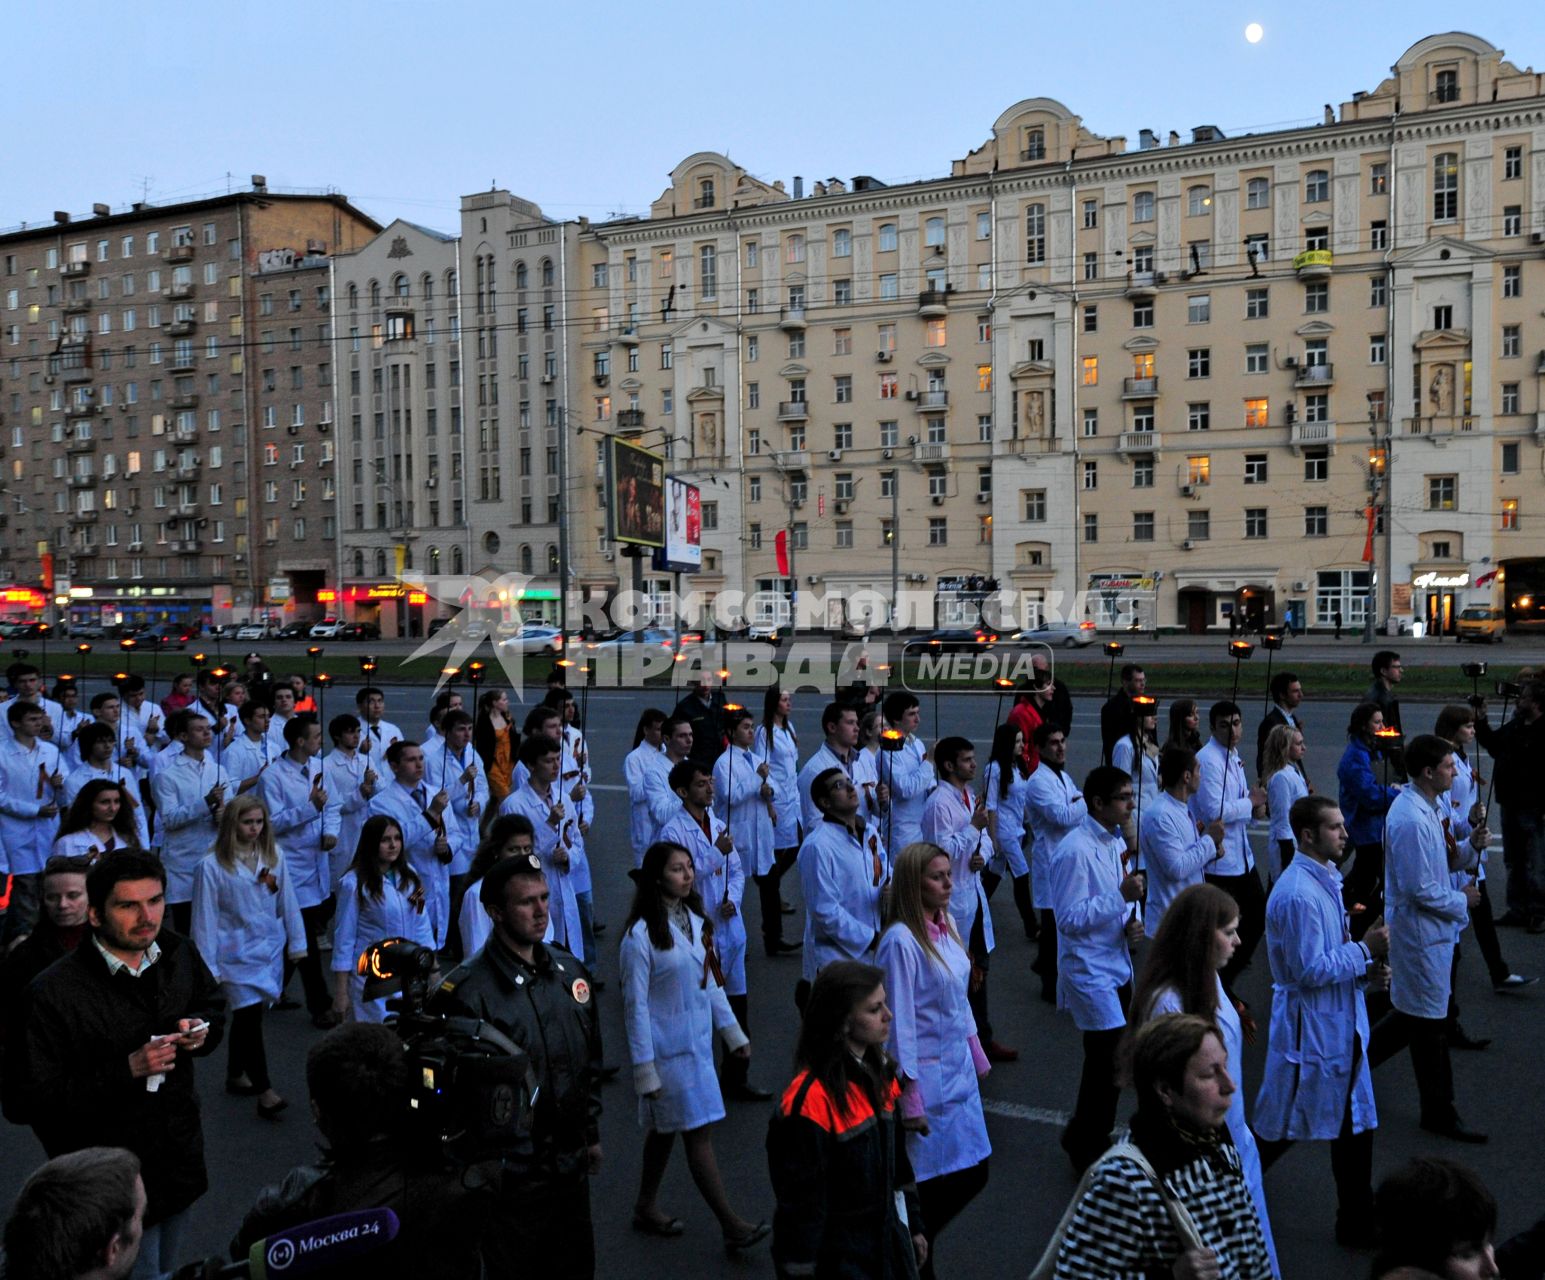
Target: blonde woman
933,1039
1283,779
245,921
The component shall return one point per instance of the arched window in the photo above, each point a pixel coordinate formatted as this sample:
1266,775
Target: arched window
933,233
380,563
1142,206
525,557
794,248
359,564
434,559
705,193
407,559
458,561
353,297
426,286
520,275
450,284
1257,193
375,293
1445,187
1317,186
491,543
547,273
1199,202
400,286
887,237
552,558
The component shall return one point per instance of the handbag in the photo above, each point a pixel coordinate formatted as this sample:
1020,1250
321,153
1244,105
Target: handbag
1179,1215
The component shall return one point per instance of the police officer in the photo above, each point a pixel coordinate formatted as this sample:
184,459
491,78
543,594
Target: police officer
541,997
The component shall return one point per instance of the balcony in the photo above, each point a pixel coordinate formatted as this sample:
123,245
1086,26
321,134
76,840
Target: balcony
178,253
79,444
1314,264
184,362
1139,388
179,328
926,452
183,435
1313,435
1131,442
793,411
77,305
83,517
1314,375
185,400
628,335
792,319
630,419
176,291
80,409
188,468
184,510
74,270
83,480
933,302
930,401
189,547
791,459
1143,284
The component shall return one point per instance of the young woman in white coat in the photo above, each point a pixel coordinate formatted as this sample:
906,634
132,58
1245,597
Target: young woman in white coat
1196,938
933,1040
100,819
743,795
246,921
1283,779
379,897
673,1002
776,746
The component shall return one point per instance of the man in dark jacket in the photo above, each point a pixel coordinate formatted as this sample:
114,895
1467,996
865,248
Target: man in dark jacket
1287,693
107,1042
701,708
1116,719
541,998
1516,750
1387,673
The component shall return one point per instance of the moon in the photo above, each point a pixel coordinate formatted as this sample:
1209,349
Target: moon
1254,32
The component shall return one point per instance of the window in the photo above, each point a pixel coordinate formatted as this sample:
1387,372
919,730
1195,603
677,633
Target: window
1142,206
1447,87
1512,163
796,346
1142,258
890,287
1509,513
1378,235
1317,407
1256,249
888,386
1035,506
1255,522
753,254
984,225
1091,421
1445,187
1035,144
843,388
1257,411
1316,464
889,434
1378,348
1256,468
708,271
754,489
1091,474
842,243
935,333
1091,375
842,436
794,248
1512,341
1512,281
1512,220
1257,193
1316,522
1509,405
1198,469
1199,362
1442,493
1510,459
1198,202
1091,319
1091,214
1199,525
753,395
1317,186
1142,314
984,377
1257,305
1343,591
938,531
842,292
843,531
887,238
1378,178
933,233
1317,297
1142,526
1091,266
1091,526
1035,233
1199,308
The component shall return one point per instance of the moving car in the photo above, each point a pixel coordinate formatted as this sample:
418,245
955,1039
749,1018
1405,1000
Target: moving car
1482,624
767,632
1070,635
955,640
164,635
534,638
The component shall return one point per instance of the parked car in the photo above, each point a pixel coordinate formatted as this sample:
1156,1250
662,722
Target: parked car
89,631
254,631
955,640
534,638
327,629
653,637
33,630
767,632
358,631
294,631
165,635
1482,624
1070,635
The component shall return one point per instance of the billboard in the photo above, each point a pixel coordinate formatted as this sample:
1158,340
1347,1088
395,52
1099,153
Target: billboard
635,491
683,550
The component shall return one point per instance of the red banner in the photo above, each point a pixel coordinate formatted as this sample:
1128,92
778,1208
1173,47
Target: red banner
1368,545
781,546
48,572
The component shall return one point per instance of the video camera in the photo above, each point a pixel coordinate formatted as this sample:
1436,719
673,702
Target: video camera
472,1089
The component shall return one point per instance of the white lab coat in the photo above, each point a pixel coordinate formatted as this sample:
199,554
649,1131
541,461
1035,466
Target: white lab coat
823,759
82,774
1421,905
737,799
444,768
66,726
639,769
783,756
1224,789
244,924
343,776
671,1007
26,787
719,878
52,708
548,839
246,757
1093,960
361,923
300,826
418,838
183,814
911,778
1053,807
947,823
842,894
83,844
1009,817
1174,855
930,1040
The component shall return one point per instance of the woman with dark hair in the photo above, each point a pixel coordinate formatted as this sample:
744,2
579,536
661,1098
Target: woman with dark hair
1006,787
1364,799
777,746
508,835
1196,938
496,742
645,761
673,1003
838,1164
1137,755
1436,1217
1171,1193
379,897
100,819
934,1040
1185,725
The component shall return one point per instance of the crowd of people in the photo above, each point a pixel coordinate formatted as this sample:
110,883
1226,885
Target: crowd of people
176,870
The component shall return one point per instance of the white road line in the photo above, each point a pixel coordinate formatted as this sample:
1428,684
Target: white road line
1037,1115
606,786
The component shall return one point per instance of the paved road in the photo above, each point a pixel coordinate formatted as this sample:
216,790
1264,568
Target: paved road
1003,1231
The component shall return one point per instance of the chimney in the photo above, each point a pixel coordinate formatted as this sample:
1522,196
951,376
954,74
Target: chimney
1174,138
61,217
799,187
101,210
835,186
1146,141
259,182
818,188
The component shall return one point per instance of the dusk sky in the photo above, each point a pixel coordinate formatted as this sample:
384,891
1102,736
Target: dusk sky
586,108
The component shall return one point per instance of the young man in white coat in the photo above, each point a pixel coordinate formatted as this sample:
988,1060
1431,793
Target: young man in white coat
555,820
1175,854
1424,908
1317,1085
408,800
453,766
842,873
190,791
31,790
839,725
1095,900
1054,806
659,801
908,772
721,883
647,758
956,821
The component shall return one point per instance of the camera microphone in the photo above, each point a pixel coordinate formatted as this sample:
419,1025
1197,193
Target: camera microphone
311,1249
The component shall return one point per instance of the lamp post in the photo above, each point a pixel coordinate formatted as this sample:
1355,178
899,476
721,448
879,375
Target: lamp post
314,652
127,646
1113,650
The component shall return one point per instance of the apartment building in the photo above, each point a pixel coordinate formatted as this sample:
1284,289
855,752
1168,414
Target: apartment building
142,451
1288,375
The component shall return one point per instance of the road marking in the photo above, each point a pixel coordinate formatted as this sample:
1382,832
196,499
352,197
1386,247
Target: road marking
1017,1111
606,786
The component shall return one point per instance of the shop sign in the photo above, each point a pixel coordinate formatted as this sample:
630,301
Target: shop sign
1433,578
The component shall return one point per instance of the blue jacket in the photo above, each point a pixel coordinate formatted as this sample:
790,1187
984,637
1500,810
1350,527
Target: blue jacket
1364,797
1317,1049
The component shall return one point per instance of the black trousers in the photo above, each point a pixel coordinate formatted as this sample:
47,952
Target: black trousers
733,1070
1021,886
1246,890
319,999
1094,1114
1485,926
1351,1165
941,1199
542,1228
976,992
1046,955
1428,1041
1364,885
247,1054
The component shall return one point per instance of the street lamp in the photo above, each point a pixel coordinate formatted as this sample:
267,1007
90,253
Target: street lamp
83,650
1239,650
322,680
1113,650
1271,641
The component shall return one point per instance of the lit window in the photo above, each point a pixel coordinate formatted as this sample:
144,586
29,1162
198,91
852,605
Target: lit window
1091,371
1256,412
1510,513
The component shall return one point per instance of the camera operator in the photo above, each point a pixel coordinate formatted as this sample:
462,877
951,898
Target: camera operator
540,997
80,1217
358,1078
1515,750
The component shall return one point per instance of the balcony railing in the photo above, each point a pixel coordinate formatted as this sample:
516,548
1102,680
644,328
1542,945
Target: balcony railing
1142,284
1138,442
791,459
177,291
1314,264
179,328
933,302
630,419
1314,375
80,444
1139,388
1312,434
72,269
931,452
83,480
183,435
793,411
178,253
185,400
791,318
932,401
